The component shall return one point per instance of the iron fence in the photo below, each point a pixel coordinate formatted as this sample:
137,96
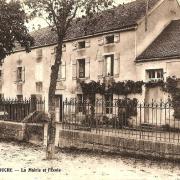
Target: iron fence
16,110
155,121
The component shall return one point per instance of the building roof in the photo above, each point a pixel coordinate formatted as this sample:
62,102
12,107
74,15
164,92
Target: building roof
165,46
121,17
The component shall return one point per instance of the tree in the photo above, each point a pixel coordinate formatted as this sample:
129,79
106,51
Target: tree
12,28
61,14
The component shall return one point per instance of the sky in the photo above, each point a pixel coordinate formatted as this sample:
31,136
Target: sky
37,23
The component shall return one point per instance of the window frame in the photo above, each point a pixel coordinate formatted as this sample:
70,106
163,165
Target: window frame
108,39
19,74
152,74
84,68
81,44
111,65
39,89
108,98
81,103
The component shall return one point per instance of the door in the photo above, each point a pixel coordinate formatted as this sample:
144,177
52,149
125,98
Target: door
152,110
59,108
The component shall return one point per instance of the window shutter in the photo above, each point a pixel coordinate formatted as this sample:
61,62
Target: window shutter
116,38
116,64
23,74
15,75
63,71
87,67
100,66
74,44
101,41
87,43
74,69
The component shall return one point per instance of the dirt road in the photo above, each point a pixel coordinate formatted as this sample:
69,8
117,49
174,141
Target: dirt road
27,163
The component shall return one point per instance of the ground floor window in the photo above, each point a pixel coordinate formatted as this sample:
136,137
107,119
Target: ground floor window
155,74
19,97
109,103
81,103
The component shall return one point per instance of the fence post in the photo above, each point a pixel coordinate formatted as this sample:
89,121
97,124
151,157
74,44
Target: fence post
33,103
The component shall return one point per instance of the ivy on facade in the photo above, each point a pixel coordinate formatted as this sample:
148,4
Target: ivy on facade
153,84
130,87
119,88
171,87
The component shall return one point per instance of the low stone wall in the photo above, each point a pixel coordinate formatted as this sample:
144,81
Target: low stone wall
33,133
12,131
115,144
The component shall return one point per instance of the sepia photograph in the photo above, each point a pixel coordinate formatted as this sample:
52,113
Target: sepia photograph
90,89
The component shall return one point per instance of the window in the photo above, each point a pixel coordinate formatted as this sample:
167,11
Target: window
109,65
81,68
19,97
155,74
39,87
109,103
19,88
81,107
109,39
81,44
19,74
1,74
1,96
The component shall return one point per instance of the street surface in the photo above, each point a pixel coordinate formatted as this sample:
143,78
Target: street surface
27,162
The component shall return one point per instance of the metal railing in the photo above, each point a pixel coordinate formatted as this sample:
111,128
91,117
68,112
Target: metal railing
16,110
157,121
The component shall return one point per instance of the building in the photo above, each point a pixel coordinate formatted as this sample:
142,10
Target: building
125,43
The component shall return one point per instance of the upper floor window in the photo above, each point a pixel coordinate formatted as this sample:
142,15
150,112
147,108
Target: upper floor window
109,65
109,39
20,74
81,63
81,44
155,74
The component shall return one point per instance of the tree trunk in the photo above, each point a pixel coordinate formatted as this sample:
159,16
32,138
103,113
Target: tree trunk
51,102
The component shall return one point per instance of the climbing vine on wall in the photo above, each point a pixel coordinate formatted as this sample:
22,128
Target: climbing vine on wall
173,89
119,88
153,84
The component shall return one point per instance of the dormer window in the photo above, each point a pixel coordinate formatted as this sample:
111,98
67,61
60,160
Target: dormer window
109,39
81,44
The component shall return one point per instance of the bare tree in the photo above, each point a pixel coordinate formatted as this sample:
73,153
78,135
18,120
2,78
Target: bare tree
60,16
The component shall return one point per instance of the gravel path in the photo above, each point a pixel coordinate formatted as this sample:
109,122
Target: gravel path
24,158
